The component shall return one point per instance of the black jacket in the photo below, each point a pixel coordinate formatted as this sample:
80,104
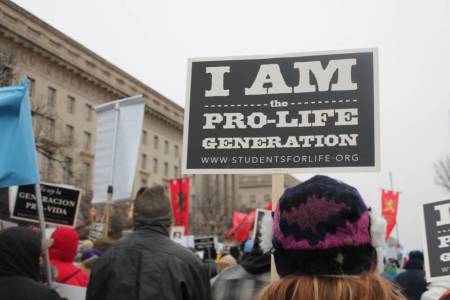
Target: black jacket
20,249
148,265
412,281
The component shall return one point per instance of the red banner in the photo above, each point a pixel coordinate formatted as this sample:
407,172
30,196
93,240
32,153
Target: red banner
242,224
389,206
179,196
238,218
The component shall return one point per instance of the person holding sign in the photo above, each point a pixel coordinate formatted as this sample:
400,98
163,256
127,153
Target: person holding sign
20,251
324,244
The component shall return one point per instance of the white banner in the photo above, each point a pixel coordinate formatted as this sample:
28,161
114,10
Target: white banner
70,292
118,137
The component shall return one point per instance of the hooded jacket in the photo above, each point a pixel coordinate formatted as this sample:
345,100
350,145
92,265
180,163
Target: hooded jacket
412,281
148,265
244,281
62,256
20,249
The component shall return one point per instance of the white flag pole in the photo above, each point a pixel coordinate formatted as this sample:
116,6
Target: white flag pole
110,189
40,209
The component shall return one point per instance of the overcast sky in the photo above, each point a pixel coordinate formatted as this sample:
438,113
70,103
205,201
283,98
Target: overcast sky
152,40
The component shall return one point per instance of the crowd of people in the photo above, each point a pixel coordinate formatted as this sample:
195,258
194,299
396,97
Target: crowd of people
325,241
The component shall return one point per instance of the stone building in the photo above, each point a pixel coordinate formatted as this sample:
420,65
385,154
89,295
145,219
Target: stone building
68,81
215,197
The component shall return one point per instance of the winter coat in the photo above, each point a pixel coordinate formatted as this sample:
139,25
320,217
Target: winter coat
412,283
148,265
62,256
244,281
20,249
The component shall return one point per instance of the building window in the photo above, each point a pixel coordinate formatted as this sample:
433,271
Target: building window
155,165
85,175
47,169
155,142
67,173
68,135
70,104
143,162
252,199
175,172
51,97
87,141
32,86
143,182
166,169
266,197
50,129
175,151
88,112
144,137
166,147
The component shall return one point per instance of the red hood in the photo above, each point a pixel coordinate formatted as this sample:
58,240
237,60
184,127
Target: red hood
65,243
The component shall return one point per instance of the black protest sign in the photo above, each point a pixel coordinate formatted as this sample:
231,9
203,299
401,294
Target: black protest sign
205,242
60,204
436,218
314,112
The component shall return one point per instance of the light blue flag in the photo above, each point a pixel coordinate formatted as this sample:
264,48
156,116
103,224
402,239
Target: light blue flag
18,164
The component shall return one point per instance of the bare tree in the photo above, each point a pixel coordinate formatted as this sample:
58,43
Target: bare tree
52,148
212,219
442,169
7,62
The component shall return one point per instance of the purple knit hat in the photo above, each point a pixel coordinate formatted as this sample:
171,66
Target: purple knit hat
322,227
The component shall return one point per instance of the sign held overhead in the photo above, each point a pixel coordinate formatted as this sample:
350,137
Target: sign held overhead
275,114
118,136
436,221
60,204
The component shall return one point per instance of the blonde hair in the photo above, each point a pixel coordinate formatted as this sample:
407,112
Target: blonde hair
365,287
225,262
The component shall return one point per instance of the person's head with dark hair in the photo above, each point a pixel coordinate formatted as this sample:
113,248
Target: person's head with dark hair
416,255
210,254
20,253
152,206
324,244
412,282
20,250
234,251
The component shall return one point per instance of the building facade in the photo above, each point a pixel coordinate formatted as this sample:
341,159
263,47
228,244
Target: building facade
68,81
215,197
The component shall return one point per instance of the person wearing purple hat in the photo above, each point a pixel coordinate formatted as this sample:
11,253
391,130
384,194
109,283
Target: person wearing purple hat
324,241
88,259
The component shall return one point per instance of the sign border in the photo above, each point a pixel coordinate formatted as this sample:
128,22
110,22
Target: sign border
375,168
428,276
50,223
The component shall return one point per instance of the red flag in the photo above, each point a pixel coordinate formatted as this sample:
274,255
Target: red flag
242,233
389,204
238,218
179,196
